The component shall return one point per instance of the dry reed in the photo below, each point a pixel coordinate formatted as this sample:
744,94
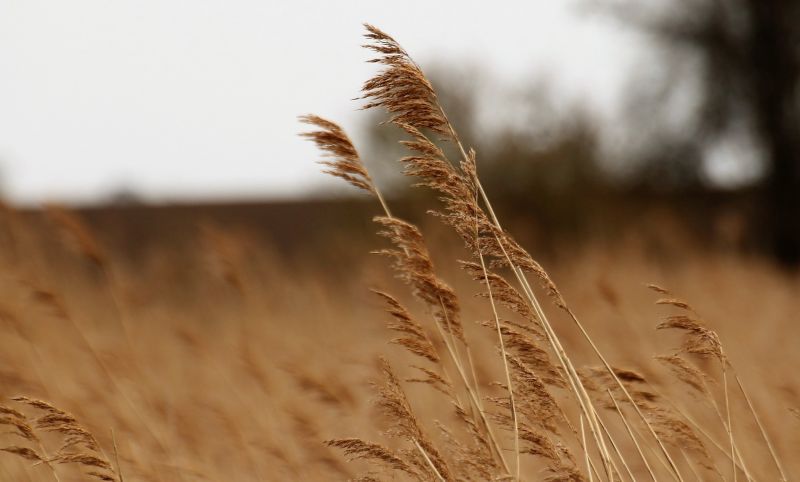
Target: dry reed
541,407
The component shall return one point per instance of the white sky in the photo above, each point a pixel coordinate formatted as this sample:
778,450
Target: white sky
183,99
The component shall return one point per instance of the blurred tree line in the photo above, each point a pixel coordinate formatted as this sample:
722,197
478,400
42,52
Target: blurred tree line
747,57
549,165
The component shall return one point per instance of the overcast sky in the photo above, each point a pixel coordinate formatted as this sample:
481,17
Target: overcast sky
188,99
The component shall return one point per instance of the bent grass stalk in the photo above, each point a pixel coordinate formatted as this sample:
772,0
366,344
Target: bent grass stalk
763,431
631,435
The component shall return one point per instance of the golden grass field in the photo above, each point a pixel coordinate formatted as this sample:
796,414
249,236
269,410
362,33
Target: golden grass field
237,365
221,357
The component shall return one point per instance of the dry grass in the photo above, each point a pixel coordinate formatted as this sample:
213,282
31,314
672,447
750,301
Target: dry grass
222,362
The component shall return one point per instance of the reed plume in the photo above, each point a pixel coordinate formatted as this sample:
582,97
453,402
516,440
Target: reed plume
342,160
78,446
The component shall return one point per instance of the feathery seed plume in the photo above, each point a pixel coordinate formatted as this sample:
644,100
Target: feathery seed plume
415,267
413,338
342,160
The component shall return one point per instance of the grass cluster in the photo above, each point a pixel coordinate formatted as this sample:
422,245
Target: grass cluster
550,408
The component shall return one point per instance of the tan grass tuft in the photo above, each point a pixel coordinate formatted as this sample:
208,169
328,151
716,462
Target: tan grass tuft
401,87
414,266
413,336
504,293
699,339
396,407
78,446
343,159
433,379
686,372
357,449
534,400
24,452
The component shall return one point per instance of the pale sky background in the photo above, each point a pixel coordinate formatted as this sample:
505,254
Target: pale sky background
188,99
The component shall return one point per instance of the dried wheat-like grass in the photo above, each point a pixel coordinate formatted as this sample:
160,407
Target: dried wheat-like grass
78,446
531,410
343,159
413,336
686,372
505,294
699,340
394,404
531,355
414,266
534,399
401,88
357,449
